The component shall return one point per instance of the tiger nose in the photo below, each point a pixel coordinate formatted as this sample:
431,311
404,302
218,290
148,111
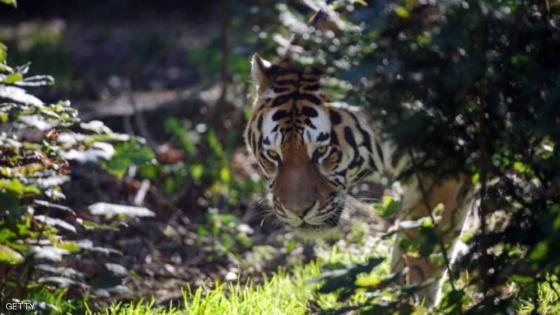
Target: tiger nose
299,209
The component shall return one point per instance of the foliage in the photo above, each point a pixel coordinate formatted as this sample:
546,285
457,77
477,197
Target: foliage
224,235
44,45
39,235
130,153
471,88
205,165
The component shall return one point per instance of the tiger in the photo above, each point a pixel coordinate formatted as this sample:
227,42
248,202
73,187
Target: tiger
311,149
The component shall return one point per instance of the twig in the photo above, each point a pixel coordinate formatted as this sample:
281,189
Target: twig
141,193
224,36
314,21
483,171
138,116
441,243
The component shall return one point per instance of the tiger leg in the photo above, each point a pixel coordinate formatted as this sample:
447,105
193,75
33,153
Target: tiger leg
452,199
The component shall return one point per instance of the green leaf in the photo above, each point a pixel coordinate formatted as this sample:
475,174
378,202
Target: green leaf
3,53
540,251
196,171
128,154
521,167
360,2
91,225
9,256
402,12
70,246
368,281
13,78
13,3
6,234
388,207
15,186
341,278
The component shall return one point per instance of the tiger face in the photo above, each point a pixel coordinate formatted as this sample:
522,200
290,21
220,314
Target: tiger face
309,149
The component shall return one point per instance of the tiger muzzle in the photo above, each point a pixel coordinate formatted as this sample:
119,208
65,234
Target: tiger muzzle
300,189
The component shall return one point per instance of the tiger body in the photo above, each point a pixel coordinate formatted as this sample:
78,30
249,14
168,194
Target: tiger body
312,149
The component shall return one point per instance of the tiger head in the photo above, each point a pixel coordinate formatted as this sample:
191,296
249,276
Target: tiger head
309,149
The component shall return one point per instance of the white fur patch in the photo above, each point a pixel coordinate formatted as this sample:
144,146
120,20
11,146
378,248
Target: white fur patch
322,124
274,137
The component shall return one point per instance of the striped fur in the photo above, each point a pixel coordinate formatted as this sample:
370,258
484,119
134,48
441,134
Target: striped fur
294,122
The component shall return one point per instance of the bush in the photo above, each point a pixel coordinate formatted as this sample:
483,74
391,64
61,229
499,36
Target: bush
39,142
472,88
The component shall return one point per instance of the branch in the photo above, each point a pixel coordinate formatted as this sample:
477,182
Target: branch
441,243
224,36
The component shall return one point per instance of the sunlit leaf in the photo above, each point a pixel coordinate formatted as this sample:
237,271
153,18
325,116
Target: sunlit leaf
62,282
56,223
98,151
346,277
388,207
110,210
18,188
130,153
18,95
9,256
49,253
70,246
368,281
88,245
12,78
402,12
95,126
35,121
36,80
10,2
3,50
62,271
116,269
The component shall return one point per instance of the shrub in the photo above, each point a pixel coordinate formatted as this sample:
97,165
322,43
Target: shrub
39,142
472,87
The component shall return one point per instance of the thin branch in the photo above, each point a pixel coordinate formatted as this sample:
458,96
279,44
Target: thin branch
440,241
315,21
138,116
483,176
224,36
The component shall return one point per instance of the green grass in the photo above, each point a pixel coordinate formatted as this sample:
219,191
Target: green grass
549,300
283,293
287,291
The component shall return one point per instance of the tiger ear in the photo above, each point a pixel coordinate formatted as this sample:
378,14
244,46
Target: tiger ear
259,71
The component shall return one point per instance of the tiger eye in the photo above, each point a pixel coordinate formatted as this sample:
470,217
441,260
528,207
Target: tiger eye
322,149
